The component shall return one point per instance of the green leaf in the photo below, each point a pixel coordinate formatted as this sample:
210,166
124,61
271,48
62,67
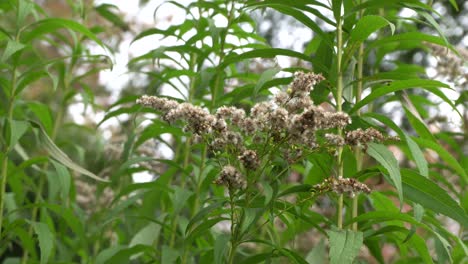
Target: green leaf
262,53
419,125
266,76
49,25
368,25
46,240
385,157
454,4
105,11
11,48
64,180
425,192
180,197
59,155
220,248
17,130
24,8
28,78
203,213
146,236
418,156
336,7
169,255
430,85
317,254
108,253
445,156
42,112
344,245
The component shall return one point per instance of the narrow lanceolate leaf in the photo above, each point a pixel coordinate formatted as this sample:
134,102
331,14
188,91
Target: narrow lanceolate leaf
429,85
425,192
418,156
64,180
59,155
262,53
17,130
46,240
49,25
146,236
11,48
344,246
368,25
445,156
385,157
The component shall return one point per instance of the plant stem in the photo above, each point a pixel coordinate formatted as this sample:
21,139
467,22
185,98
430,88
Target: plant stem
4,173
339,102
357,151
234,228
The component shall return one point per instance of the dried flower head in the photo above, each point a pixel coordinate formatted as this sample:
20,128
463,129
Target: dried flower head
161,104
335,140
249,159
361,137
231,178
304,82
349,186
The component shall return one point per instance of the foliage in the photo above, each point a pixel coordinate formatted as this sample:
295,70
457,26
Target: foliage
265,168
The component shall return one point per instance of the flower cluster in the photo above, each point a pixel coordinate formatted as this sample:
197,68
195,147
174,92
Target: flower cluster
349,186
361,137
249,159
231,178
289,122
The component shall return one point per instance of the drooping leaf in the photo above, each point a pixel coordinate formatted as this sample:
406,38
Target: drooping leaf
49,25
430,85
425,192
418,156
105,10
445,156
385,157
59,155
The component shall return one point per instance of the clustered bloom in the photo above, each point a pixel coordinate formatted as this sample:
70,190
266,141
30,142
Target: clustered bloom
349,186
334,140
361,137
231,178
249,159
290,121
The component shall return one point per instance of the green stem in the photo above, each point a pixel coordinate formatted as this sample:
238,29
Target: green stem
4,173
357,151
221,56
234,229
339,102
